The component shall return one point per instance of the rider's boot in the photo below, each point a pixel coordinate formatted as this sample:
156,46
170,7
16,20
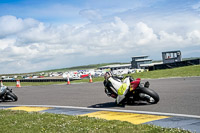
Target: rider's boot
146,84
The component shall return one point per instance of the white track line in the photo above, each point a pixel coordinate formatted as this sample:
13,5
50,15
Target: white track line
115,110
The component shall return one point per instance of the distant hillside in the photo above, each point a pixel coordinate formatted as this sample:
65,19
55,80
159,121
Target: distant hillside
92,66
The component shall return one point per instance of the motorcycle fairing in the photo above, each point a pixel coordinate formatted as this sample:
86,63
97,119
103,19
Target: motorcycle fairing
134,84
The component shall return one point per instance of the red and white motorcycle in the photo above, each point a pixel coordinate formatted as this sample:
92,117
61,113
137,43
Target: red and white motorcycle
137,91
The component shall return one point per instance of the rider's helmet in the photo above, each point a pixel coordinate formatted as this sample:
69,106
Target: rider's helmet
107,75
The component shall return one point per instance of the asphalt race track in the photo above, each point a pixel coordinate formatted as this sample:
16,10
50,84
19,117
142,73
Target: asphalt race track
177,95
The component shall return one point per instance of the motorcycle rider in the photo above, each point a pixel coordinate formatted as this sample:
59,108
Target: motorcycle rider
2,91
1,87
120,87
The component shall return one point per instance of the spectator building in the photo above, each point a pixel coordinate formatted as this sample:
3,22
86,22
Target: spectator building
171,56
138,61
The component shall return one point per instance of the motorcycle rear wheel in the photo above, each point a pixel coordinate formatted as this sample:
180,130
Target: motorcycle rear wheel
150,93
11,96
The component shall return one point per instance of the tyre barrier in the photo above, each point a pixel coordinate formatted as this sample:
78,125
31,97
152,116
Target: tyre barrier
37,80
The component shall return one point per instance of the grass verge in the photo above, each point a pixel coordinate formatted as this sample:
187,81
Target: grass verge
186,71
26,122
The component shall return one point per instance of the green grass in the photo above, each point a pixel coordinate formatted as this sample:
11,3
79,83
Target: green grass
34,122
186,71
97,79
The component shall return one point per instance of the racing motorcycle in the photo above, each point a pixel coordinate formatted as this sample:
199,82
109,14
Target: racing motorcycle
6,94
137,91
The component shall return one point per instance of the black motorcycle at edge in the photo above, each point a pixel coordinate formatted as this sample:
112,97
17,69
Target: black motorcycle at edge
137,92
6,94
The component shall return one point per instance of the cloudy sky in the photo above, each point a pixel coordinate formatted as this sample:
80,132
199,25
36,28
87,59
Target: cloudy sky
38,35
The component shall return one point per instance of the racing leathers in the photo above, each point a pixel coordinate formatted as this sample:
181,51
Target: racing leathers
121,88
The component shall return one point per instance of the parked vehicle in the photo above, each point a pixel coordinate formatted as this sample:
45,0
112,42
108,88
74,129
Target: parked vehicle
137,91
6,94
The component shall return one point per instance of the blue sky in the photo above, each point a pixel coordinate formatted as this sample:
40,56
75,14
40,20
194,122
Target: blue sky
46,34
67,11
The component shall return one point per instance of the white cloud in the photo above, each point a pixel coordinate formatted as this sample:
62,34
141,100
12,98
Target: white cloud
143,34
6,42
90,14
194,37
11,24
32,46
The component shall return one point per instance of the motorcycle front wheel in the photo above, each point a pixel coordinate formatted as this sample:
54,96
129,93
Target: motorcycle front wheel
11,96
152,96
